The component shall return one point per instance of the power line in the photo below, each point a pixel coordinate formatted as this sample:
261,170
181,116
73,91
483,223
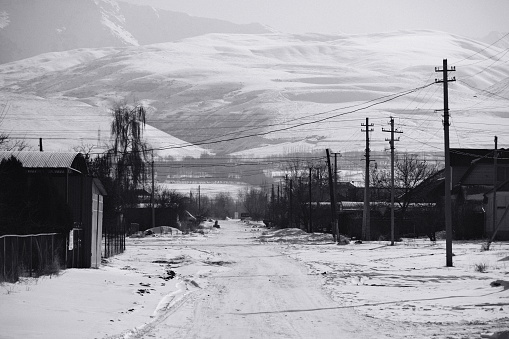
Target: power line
482,50
393,97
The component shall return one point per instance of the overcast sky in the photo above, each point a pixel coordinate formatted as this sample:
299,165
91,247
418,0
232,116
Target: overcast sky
471,18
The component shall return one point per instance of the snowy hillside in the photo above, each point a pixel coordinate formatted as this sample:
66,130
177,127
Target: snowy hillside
68,125
29,28
276,93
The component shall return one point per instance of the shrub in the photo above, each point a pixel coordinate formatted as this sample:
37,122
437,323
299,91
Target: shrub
481,267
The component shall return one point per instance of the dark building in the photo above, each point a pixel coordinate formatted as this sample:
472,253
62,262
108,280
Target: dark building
68,176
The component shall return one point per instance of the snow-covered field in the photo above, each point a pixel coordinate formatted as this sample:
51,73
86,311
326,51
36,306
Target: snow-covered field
208,189
244,281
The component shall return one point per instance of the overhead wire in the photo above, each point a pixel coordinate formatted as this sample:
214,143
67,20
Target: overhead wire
482,50
392,97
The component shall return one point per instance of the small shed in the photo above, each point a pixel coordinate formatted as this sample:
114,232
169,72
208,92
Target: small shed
83,194
502,212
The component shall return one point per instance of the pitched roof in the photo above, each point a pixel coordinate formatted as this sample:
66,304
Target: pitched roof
72,160
465,156
429,187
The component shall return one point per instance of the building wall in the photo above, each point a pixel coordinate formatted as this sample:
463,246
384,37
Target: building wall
482,174
97,224
502,204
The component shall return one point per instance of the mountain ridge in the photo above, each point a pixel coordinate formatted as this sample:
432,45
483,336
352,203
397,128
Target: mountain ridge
247,94
32,27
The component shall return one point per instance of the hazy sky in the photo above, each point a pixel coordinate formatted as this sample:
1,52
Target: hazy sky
471,18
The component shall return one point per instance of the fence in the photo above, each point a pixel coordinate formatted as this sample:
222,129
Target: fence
31,255
113,237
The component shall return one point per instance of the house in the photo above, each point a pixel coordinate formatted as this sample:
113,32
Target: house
472,177
67,175
474,167
502,212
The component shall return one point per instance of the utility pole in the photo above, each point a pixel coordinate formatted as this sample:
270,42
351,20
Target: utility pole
332,198
447,170
391,143
40,144
273,205
366,222
199,200
286,201
495,156
291,203
336,221
310,226
152,195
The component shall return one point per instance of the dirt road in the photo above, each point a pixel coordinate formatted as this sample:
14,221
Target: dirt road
262,294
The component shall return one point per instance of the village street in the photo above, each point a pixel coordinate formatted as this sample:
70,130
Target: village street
254,290
244,281
260,294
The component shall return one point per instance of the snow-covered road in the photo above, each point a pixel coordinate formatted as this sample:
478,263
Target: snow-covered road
237,283
261,294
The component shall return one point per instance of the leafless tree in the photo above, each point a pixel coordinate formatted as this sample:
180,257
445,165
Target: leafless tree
410,172
7,144
128,148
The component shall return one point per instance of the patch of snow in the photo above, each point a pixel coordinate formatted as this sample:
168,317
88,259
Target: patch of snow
119,31
113,20
4,19
156,11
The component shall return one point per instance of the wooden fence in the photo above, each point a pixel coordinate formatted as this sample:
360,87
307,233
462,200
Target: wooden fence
31,255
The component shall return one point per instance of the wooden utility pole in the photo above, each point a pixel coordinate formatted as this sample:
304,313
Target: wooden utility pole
332,198
291,203
152,195
495,156
494,210
366,222
40,144
273,198
336,221
447,170
391,142
310,226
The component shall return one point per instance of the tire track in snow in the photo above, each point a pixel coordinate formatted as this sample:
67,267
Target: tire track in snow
166,306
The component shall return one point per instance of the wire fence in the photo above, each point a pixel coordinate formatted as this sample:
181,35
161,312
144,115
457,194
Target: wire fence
31,255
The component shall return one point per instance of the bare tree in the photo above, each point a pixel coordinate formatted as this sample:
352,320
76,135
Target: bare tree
255,202
85,149
410,172
129,149
7,144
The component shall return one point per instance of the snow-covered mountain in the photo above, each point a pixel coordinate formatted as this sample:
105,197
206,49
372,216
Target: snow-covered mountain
499,39
32,27
274,93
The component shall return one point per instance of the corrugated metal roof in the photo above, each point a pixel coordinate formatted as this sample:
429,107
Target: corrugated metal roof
43,159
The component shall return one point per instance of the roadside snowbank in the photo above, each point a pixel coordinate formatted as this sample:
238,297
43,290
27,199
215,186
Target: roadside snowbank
295,235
